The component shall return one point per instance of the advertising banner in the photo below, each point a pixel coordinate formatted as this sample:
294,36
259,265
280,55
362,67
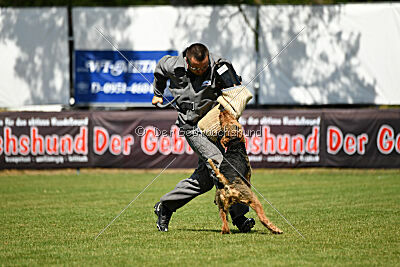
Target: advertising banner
107,77
283,138
41,140
361,138
140,139
356,138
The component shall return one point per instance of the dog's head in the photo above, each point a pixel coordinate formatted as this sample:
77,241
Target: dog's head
231,128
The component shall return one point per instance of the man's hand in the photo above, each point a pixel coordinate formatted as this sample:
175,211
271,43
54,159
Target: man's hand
156,100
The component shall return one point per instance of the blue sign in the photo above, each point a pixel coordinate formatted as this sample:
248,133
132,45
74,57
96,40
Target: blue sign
107,77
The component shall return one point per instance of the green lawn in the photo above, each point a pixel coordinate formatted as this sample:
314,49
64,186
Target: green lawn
348,217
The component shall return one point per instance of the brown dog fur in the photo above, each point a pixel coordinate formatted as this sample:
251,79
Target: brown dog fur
235,189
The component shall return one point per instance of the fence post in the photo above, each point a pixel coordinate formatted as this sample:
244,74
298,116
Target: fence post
71,54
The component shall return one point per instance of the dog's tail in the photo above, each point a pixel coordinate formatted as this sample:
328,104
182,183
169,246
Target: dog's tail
219,175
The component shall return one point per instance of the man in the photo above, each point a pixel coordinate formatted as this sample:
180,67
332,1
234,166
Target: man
197,77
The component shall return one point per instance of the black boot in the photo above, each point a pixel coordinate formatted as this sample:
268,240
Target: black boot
244,224
164,215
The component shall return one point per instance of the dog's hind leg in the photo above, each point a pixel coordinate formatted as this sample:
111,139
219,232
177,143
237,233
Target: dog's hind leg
225,226
255,204
220,200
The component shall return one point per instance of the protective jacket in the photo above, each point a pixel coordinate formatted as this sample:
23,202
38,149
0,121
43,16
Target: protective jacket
197,94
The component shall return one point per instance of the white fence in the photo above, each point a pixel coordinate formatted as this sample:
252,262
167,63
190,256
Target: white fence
346,54
33,57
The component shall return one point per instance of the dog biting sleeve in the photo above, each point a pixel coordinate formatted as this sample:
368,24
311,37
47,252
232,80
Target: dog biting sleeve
235,99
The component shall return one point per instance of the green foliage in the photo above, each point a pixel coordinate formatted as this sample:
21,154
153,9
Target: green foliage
348,217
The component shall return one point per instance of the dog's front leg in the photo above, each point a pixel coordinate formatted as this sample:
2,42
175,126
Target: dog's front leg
257,207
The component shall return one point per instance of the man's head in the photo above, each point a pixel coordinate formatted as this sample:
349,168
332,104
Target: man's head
197,58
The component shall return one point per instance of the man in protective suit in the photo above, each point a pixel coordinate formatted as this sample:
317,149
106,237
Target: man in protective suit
196,78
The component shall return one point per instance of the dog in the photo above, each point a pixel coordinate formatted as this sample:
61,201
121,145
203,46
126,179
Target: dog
234,174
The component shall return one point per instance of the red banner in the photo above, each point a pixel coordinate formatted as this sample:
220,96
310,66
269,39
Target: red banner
44,140
283,138
149,139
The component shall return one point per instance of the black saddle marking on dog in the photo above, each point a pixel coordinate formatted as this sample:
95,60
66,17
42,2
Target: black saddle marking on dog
235,162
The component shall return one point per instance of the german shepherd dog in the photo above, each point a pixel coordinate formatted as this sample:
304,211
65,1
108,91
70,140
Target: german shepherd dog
234,174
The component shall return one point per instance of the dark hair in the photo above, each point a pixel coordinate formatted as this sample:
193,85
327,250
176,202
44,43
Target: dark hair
197,51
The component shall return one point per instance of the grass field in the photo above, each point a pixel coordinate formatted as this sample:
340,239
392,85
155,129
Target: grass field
348,217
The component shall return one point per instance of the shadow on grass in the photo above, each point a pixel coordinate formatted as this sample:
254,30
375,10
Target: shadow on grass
219,231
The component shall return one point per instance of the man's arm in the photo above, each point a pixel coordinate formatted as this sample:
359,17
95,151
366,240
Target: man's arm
160,80
226,75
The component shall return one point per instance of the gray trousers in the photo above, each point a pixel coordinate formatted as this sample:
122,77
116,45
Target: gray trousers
203,178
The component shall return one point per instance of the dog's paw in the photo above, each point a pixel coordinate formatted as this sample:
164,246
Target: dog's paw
274,229
225,232
277,231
